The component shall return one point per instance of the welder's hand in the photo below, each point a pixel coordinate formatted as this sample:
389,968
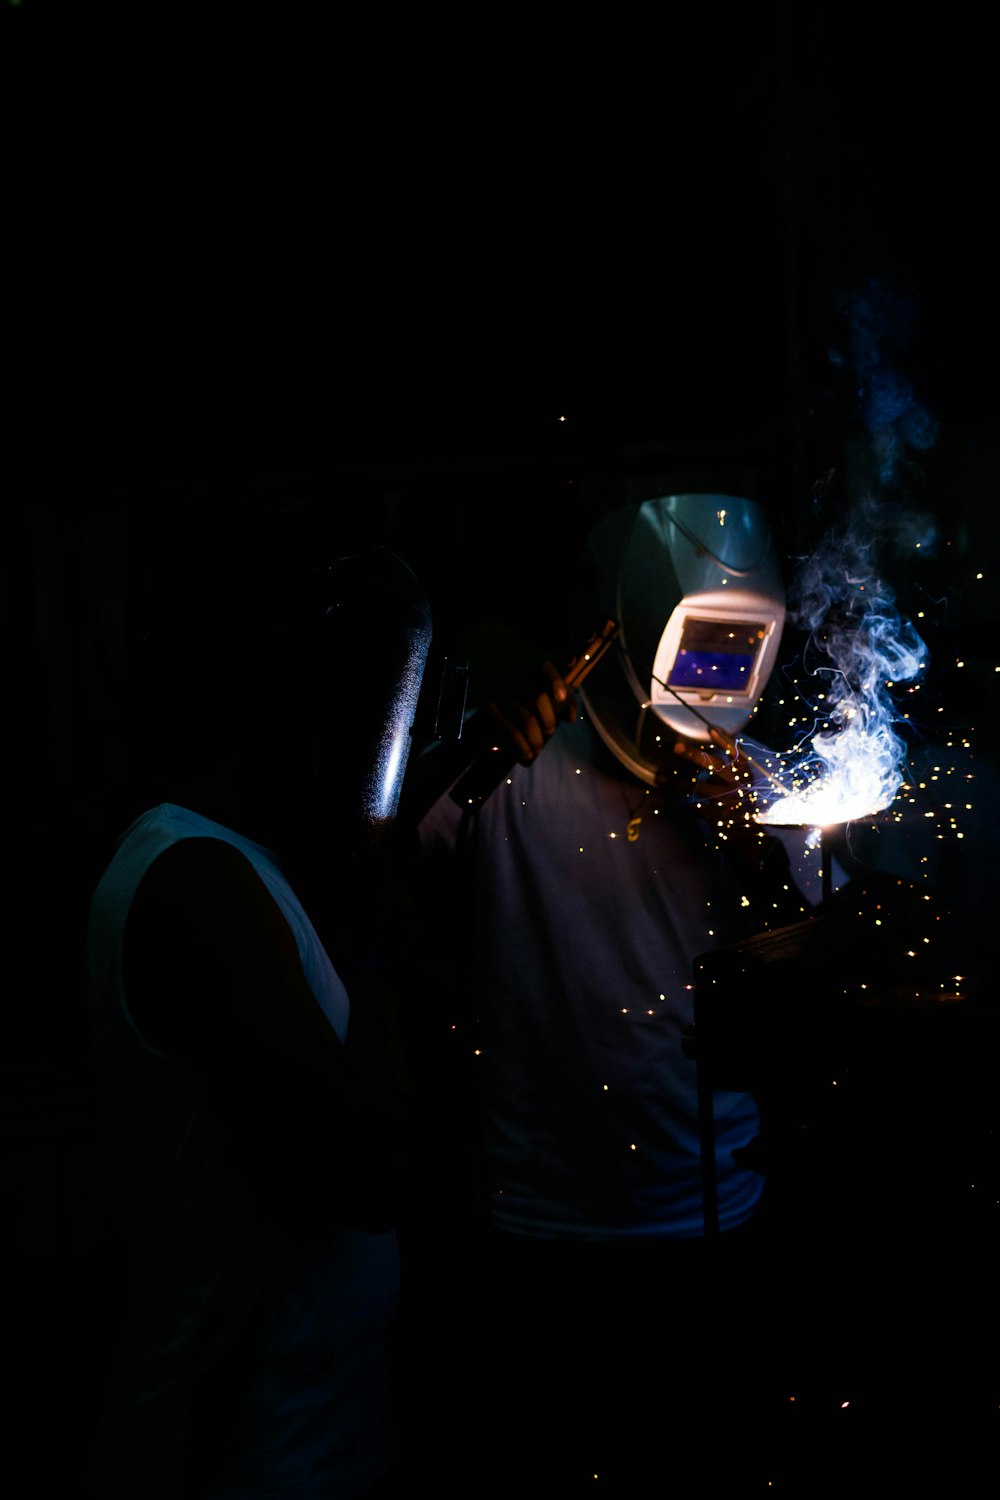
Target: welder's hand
721,779
530,713
723,784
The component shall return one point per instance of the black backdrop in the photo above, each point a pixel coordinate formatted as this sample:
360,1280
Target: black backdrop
455,286
458,289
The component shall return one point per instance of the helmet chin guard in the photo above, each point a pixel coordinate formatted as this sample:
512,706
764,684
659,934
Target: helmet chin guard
694,583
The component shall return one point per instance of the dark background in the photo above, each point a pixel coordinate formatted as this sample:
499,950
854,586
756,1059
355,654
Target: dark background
456,285
459,288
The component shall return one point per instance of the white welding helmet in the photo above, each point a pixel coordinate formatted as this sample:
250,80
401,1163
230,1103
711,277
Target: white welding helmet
695,585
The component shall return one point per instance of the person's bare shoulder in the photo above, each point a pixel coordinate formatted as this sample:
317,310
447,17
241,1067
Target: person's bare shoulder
208,950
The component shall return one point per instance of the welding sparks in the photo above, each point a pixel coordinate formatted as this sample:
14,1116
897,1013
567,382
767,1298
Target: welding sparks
849,774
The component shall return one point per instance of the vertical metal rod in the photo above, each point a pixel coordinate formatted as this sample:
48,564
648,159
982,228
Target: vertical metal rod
826,855
706,1121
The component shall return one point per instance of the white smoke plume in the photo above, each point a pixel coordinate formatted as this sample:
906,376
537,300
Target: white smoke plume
860,649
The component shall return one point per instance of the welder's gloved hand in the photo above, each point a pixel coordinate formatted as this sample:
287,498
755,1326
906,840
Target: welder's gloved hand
723,788
530,711
720,767
722,783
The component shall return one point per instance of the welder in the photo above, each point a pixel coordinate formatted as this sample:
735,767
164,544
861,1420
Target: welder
614,850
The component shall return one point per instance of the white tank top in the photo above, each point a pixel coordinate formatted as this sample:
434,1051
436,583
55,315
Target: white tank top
197,1252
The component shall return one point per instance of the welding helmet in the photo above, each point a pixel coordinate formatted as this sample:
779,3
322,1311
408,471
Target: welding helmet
368,646
290,680
695,585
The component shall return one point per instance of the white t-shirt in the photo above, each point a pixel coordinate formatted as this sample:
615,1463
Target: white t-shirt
583,943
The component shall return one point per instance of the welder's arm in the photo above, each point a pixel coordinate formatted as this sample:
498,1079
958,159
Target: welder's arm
514,725
528,713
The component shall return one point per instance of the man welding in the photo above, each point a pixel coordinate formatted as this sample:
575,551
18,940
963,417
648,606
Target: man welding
616,849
